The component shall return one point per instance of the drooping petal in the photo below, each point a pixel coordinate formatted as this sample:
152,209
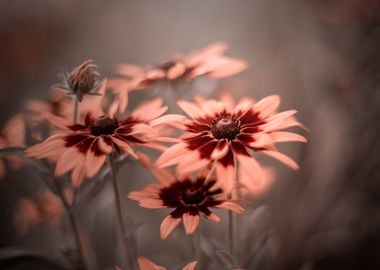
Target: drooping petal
190,222
282,136
69,159
283,158
231,206
168,225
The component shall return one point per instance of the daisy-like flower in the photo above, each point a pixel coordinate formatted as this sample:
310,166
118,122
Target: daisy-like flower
224,134
83,148
189,199
81,81
209,61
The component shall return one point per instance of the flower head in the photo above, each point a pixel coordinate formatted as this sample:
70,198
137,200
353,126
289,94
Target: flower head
224,134
188,198
208,61
83,148
81,81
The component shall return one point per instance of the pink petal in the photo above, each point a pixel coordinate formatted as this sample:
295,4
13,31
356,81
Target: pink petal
213,217
250,168
103,146
276,120
69,159
175,120
190,266
231,206
151,203
172,155
220,150
190,109
282,136
176,71
163,176
224,66
94,162
149,110
268,105
283,158
78,175
226,176
261,140
244,104
168,225
124,146
129,70
190,222
145,264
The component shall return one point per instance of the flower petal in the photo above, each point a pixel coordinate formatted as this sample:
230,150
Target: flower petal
190,222
283,158
168,225
190,266
220,150
172,155
145,264
231,206
190,109
282,136
268,105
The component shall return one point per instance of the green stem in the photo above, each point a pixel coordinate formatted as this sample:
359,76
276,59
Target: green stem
119,208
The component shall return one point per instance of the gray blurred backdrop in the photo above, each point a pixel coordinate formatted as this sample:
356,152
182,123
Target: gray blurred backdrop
322,57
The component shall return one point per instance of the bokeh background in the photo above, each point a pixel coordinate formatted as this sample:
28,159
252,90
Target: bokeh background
322,57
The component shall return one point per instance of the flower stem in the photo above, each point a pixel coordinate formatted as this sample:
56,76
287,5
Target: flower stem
231,229
73,224
119,208
75,110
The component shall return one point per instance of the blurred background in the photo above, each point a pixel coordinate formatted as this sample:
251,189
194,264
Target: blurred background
322,57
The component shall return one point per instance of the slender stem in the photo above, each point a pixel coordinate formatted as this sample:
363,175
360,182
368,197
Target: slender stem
75,110
120,210
73,224
231,229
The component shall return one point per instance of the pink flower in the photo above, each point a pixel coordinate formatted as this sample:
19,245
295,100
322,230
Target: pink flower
83,148
208,61
224,134
81,81
189,199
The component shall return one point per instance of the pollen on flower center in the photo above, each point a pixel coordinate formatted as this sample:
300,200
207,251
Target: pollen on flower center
225,127
103,126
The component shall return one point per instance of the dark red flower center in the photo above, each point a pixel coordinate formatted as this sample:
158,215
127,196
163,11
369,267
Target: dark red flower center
225,127
193,196
103,125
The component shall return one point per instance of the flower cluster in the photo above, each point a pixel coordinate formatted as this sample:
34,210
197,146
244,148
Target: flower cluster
203,158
